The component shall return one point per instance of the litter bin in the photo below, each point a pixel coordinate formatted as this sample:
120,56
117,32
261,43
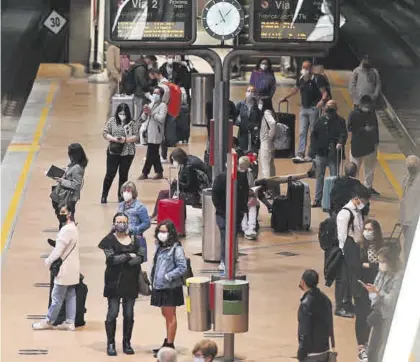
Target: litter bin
202,86
231,306
198,304
211,234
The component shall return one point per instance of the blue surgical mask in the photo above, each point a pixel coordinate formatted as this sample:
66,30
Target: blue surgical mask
156,97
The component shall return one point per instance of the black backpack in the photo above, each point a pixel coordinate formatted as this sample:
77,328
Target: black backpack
129,80
327,234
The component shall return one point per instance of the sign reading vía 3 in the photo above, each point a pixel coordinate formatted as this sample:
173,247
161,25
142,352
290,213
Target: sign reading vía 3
151,20
294,21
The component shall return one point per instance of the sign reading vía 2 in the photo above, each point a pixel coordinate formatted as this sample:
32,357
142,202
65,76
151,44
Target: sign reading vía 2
294,21
151,20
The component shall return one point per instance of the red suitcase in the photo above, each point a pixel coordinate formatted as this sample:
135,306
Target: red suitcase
172,209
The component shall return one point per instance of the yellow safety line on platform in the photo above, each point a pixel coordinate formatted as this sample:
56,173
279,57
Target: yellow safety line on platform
22,148
392,156
20,185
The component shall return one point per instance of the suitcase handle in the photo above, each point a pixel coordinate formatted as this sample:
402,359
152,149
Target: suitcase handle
170,181
287,105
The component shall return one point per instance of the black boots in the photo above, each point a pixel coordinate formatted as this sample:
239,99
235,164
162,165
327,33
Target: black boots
127,331
165,344
110,336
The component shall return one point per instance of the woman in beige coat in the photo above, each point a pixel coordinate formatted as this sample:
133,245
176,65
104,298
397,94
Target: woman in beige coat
66,248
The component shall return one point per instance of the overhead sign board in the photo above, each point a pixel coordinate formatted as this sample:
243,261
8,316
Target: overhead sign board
55,22
297,21
151,21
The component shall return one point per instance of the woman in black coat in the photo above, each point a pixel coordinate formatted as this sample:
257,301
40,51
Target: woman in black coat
123,259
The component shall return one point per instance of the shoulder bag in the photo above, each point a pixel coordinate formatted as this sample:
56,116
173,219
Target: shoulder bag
56,265
144,284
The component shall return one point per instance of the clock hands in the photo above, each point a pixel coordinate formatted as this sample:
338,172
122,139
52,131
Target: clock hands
223,19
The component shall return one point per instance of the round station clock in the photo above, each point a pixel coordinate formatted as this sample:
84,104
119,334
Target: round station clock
223,19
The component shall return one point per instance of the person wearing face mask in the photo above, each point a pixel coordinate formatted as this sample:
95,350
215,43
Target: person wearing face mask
153,128
383,294
205,351
264,81
69,186
410,202
329,135
123,258
192,179
315,318
372,241
66,248
314,95
169,266
267,134
248,120
365,80
137,82
363,125
138,216
122,133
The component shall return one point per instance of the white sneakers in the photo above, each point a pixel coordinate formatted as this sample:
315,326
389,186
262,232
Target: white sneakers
46,325
251,235
163,160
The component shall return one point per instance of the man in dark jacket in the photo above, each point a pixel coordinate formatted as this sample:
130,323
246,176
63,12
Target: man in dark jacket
219,193
315,321
176,73
363,124
141,81
328,138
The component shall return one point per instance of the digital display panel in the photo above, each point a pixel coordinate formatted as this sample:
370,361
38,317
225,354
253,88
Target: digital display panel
151,20
294,21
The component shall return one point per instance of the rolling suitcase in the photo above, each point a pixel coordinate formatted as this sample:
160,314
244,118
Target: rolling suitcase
329,184
296,196
183,124
118,98
172,209
288,119
306,210
280,214
170,131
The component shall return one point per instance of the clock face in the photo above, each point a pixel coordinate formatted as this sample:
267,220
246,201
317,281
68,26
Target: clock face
223,19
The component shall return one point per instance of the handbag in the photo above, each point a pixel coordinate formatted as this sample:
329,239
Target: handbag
59,194
116,148
189,273
144,284
56,265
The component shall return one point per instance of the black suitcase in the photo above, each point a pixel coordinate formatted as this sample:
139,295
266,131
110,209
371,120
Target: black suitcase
280,214
288,119
296,194
183,124
81,295
170,132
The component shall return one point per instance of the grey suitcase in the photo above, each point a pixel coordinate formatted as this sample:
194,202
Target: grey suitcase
117,99
306,207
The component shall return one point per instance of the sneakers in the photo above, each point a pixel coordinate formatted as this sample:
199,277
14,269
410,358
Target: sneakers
363,356
343,313
43,325
221,266
66,326
307,159
163,160
251,235
316,204
298,159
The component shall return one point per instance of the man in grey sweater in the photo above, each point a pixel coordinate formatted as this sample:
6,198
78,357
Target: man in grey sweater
365,80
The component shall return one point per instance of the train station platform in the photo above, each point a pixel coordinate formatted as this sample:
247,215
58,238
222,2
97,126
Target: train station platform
62,110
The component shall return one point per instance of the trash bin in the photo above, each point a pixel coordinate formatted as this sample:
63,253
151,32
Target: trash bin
202,86
198,304
211,234
231,306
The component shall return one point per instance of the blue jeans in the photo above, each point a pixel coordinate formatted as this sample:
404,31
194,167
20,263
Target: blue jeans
61,293
322,162
307,119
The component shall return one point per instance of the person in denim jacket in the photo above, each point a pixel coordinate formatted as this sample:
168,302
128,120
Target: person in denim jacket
169,266
138,216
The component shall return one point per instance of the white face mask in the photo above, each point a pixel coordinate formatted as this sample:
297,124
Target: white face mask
176,164
304,72
156,97
263,66
170,61
369,235
361,206
122,117
198,359
163,237
383,267
260,107
149,66
127,196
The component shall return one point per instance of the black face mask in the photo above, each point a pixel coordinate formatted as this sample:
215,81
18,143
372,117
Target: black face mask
366,65
62,218
331,111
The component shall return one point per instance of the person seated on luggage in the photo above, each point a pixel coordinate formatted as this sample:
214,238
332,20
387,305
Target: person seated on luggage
192,179
219,201
153,132
138,217
270,187
249,221
123,257
205,351
248,119
343,188
267,134
328,138
169,267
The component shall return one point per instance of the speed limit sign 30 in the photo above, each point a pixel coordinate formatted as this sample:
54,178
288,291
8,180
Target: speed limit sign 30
55,22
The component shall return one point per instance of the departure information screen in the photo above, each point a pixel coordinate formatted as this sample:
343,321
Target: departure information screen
151,20
294,21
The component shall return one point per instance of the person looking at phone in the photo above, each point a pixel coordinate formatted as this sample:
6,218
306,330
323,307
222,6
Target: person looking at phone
122,133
